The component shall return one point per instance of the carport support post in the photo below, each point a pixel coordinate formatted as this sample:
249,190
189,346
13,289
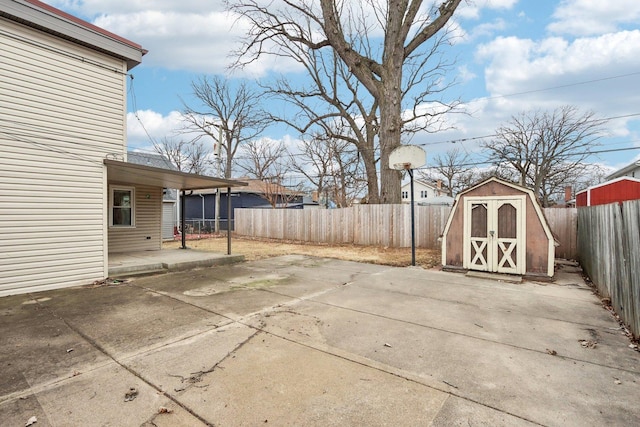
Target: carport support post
228,219
182,223
413,222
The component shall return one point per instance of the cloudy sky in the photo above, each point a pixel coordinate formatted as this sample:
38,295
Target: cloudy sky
512,56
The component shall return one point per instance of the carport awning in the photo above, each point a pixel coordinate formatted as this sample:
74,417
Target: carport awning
131,173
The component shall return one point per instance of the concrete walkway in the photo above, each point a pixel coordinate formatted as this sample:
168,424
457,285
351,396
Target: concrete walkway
304,341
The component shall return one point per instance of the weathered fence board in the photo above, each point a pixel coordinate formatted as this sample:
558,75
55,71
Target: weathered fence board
609,250
631,218
372,225
564,225
378,225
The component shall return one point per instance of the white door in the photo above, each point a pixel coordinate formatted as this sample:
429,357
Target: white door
494,235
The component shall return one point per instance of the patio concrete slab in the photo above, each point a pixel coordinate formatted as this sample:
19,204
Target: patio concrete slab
306,341
148,262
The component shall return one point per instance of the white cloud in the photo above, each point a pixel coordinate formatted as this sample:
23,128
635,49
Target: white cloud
193,35
197,42
516,65
94,7
144,125
472,9
486,29
465,75
593,17
596,73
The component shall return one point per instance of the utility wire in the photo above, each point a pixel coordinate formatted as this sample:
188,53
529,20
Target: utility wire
467,139
458,140
132,94
555,87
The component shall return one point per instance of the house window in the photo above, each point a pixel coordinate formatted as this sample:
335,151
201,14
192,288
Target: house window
424,194
405,194
121,202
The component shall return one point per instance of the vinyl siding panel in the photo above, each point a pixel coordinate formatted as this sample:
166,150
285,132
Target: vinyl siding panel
168,220
146,235
61,113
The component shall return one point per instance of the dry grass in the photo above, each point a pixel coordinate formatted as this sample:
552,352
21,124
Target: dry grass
254,249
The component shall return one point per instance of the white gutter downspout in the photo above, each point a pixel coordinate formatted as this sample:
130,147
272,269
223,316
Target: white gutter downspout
203,216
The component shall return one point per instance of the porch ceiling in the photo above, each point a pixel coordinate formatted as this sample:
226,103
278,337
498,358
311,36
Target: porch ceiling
130,173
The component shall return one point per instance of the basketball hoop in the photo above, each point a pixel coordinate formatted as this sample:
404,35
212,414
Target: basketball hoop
407,157
401,166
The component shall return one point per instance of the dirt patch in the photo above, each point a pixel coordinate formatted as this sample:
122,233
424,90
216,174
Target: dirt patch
255,249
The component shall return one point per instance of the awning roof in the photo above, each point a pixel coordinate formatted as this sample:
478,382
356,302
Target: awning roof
130,173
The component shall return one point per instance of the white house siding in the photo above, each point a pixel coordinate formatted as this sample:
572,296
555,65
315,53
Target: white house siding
419,191
61,113
169,219
146,235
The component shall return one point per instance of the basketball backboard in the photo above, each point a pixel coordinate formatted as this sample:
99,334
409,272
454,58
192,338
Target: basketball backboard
407,157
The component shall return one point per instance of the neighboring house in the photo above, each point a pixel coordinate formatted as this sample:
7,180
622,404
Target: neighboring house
309,202
68,198
423,192
169,195
632,171
616,190
200,205
497,226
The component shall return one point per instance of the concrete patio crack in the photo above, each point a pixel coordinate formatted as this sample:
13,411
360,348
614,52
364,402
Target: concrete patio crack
349,357
407,322
132,371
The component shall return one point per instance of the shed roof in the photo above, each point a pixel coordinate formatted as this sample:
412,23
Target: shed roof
529,192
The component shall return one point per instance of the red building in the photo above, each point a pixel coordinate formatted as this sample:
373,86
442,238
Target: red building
616,190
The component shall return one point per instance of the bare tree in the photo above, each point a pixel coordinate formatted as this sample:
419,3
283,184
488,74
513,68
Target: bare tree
187,156
277,194
262,158
332,166
334,106
267,161
174,150
347,28
228,116
577,176
452,167
546,149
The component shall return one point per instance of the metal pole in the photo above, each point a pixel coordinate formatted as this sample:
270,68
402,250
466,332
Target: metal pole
228,220
413,227
218,167
182,222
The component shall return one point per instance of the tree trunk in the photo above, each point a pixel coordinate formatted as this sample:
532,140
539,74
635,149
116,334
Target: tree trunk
390,129
369,160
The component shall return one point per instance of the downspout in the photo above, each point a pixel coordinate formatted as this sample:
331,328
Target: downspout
203,215
201,229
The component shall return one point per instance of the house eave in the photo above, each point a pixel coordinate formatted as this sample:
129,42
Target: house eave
43,17
131,173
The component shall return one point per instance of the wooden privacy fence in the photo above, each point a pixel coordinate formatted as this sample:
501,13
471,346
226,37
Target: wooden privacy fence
372,225
564,226
609,249
376,225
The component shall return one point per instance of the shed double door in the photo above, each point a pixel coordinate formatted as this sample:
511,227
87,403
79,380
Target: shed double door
494,235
